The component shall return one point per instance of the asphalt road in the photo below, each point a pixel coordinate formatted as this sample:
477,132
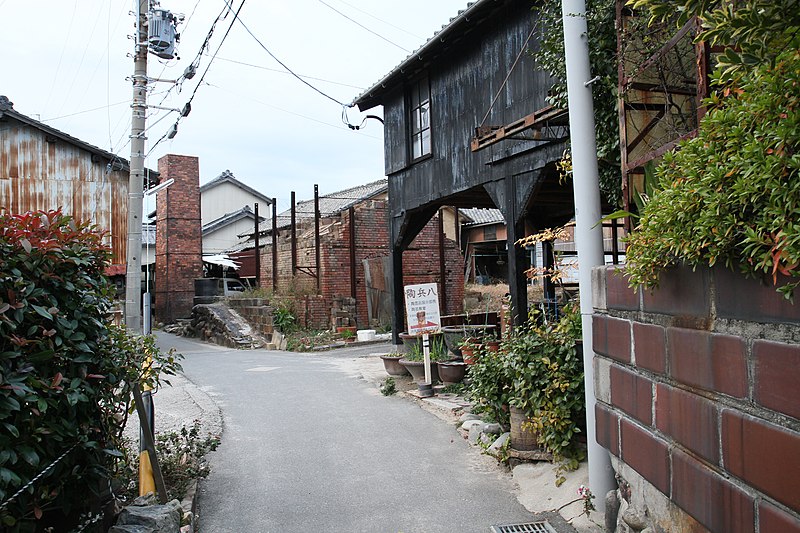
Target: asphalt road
309,447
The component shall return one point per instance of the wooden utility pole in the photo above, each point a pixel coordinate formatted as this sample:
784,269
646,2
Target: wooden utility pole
133,278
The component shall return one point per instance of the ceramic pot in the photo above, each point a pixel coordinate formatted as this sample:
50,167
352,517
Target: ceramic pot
417,370
391,363
452,371
454,335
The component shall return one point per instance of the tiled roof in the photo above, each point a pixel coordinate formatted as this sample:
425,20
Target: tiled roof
482,216
366,99
228,177
329,204
228,218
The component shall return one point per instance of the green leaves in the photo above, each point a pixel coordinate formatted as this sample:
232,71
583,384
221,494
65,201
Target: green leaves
731,195
65,374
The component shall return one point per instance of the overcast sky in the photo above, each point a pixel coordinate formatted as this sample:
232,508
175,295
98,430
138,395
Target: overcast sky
65,62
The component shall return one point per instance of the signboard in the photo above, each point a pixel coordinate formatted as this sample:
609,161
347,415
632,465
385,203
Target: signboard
422,308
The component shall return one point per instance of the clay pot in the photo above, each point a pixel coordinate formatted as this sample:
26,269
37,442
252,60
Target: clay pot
523,436
391,363
452,371
417,370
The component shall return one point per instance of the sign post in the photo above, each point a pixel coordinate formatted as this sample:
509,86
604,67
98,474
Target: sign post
422,315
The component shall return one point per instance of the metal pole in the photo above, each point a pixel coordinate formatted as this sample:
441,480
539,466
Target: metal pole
274,244
588,233
133,278
258,247
316,239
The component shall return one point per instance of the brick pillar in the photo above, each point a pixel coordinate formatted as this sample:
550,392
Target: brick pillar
178,238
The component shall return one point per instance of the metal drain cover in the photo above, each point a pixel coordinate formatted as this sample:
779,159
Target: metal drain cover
542,526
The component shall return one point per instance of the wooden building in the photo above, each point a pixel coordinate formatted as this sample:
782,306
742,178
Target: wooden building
467,125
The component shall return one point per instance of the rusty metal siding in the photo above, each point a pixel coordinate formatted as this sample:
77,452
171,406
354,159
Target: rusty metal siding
38,171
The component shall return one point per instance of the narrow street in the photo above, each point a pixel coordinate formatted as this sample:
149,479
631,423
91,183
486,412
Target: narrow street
308,446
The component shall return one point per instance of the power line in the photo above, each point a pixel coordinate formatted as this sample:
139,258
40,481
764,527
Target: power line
284,72
282,63
171,132
364,27
85,111
381,20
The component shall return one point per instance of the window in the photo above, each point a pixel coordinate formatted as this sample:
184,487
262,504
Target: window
420,119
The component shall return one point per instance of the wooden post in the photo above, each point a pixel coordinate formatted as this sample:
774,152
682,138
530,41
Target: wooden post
316,239
294,236
257,250
274,244
442,264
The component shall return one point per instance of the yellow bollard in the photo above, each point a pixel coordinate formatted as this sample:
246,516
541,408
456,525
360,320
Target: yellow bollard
146,480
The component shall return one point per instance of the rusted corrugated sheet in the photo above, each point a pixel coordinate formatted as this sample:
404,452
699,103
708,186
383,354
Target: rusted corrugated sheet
40,171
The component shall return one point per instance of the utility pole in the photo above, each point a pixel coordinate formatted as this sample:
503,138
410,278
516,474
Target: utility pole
133,279
588,230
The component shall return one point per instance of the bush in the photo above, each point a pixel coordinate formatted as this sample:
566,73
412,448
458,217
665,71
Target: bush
65,375
732,194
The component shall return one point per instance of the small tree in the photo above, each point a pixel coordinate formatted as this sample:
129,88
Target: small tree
65,374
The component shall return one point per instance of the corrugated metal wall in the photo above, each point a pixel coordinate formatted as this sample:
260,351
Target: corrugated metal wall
38,171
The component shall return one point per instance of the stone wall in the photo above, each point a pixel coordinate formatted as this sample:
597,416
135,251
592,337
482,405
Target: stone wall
697,388
420,262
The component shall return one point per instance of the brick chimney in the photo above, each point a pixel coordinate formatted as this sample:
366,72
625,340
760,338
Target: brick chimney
179,245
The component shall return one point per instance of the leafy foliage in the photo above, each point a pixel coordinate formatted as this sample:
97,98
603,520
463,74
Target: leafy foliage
756,31
732,194
549,56
65,375
437,350
539,370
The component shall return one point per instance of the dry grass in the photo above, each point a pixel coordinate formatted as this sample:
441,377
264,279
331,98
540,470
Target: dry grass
480,298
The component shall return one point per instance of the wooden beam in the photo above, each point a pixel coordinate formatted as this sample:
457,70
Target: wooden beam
489,135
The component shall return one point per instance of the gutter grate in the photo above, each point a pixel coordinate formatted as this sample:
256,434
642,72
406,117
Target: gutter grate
542,526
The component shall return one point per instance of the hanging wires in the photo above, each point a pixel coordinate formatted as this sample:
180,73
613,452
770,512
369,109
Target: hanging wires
364,27
519,55
174,129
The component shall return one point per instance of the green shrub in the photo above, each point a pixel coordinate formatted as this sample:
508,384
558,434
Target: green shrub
731,195
65,375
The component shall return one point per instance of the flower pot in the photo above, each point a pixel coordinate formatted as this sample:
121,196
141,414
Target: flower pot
417,370
468,354
454,335
523,436
391,363
451,371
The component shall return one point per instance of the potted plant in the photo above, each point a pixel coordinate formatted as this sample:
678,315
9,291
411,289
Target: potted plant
468,347
414,359
391,363
348,335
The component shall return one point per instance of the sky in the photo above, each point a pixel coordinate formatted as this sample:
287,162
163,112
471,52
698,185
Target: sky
68,63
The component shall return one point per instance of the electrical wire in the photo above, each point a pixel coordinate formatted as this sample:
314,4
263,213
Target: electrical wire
364,27
200,82
496,96
61,57
85,111
381,20
284,72
282,63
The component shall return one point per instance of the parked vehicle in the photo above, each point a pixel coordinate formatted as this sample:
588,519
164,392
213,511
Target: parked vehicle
209,290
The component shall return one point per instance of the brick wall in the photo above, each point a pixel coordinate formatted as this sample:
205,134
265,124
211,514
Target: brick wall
697,388
178,238
421,261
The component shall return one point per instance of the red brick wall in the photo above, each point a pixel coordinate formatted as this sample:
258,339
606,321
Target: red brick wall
421,260
698,391
178,238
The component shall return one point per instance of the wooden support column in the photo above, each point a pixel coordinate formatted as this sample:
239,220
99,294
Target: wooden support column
258,248
442,265
352,214
517,280
274,244
316,239
294,236
398,304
